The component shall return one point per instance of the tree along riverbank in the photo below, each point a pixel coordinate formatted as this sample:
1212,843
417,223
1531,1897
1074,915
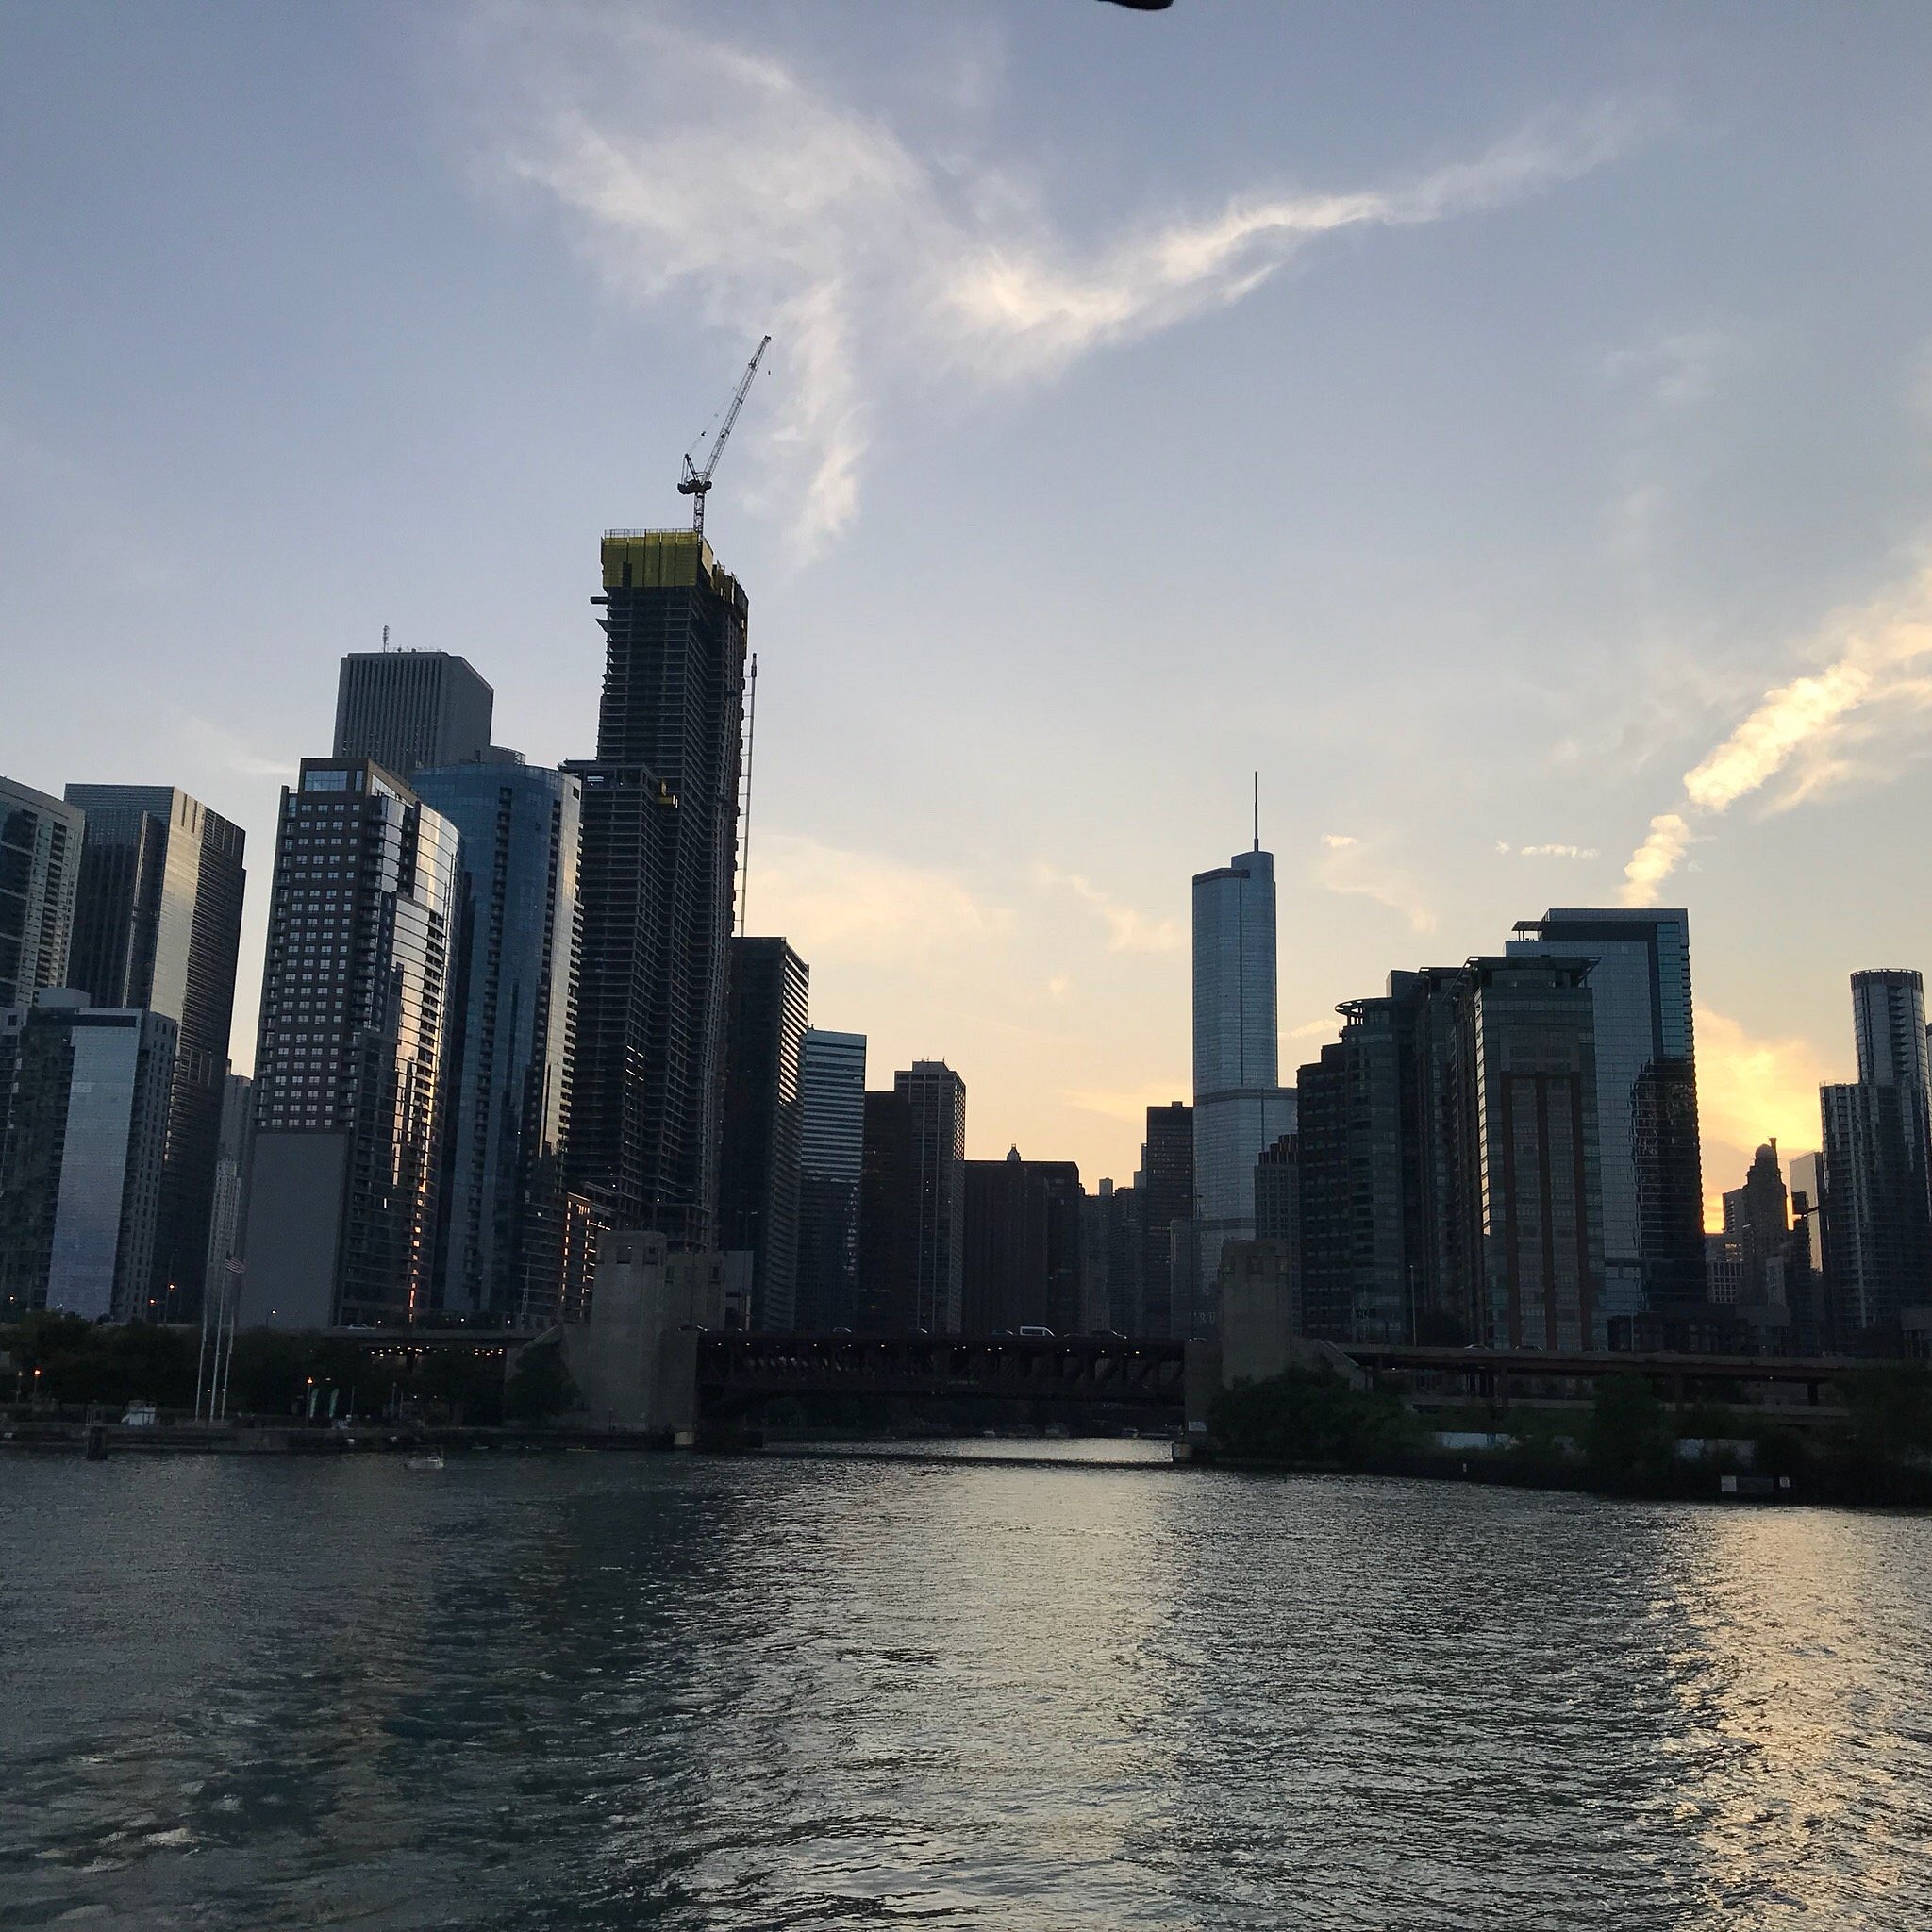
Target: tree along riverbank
1626,1444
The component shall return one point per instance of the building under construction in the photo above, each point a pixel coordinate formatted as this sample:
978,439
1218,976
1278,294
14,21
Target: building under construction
660,807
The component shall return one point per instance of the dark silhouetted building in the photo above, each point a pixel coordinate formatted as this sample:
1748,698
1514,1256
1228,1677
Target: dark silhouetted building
1167,1211
1653,1179
409,709
1112,1251
831,1090
227,1219
888,1219
1877,1170
766,1008
352,1053
83,1136
39,872
1023,1245
500,1243
660,852
158,923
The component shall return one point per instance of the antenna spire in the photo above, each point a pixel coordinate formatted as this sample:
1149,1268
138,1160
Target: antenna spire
385,636
1257,811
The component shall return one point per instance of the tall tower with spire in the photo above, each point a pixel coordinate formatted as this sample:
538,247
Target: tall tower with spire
1239,1107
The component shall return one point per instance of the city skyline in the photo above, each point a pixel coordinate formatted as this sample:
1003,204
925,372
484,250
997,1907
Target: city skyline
1501,541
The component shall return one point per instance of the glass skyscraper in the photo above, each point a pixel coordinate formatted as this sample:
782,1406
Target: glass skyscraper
350,1054
408,709
831,1155
1239,1107
1646,1079
661,850
759,1184
1876,1166
39,870
158,923
500,1244
83,1132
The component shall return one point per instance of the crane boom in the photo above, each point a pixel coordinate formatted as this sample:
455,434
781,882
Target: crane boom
696,483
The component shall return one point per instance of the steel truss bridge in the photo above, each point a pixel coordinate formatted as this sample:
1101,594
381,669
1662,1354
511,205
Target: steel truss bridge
737,1371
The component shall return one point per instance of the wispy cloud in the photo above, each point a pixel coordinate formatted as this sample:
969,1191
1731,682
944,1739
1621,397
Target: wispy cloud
1349,867
1128,929
704,171
1547,850
1129,1105
1858,717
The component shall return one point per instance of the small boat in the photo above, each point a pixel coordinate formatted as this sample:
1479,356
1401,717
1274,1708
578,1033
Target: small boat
430,1458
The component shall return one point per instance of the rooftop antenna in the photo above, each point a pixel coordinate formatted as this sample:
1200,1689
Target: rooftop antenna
385,636
751,741
1257,811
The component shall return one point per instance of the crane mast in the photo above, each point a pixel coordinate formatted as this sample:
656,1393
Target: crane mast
696,483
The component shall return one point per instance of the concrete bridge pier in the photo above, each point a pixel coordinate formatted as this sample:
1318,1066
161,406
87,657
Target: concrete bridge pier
636,1360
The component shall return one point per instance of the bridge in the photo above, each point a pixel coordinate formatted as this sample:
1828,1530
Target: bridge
737,1372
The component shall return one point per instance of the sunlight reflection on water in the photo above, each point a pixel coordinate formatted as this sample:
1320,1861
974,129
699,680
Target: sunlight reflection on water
591,1691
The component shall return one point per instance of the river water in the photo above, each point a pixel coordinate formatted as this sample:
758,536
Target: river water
590,1691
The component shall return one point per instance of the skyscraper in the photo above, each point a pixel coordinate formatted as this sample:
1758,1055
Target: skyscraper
1876,1168
40,870
158,923
889,1262
1167,1207
831,1090
1646,1075
1239,1107
350,1054
1021,1247
661,844
407,710
937,1097
83,1134
1111,1253
758,1187
500,1247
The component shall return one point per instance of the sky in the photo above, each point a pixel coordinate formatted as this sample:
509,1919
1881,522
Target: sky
1508,430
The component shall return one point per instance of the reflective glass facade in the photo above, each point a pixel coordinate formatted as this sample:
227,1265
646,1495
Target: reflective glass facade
831,1093
350,1066
766,1008
1652,1182
1240,1107
40,869
158,923
83,1132
500,1245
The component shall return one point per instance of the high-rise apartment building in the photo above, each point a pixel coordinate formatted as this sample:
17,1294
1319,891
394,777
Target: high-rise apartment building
351,1056
661,844
407,710
1022,1267
500,1245
83,1136
1876,1169
1646,1074
766,1008
1239,1107
831,1159
39,872
158,923
1448,1184
1167,1212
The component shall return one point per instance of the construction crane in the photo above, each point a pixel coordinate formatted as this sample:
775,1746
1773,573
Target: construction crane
696,483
